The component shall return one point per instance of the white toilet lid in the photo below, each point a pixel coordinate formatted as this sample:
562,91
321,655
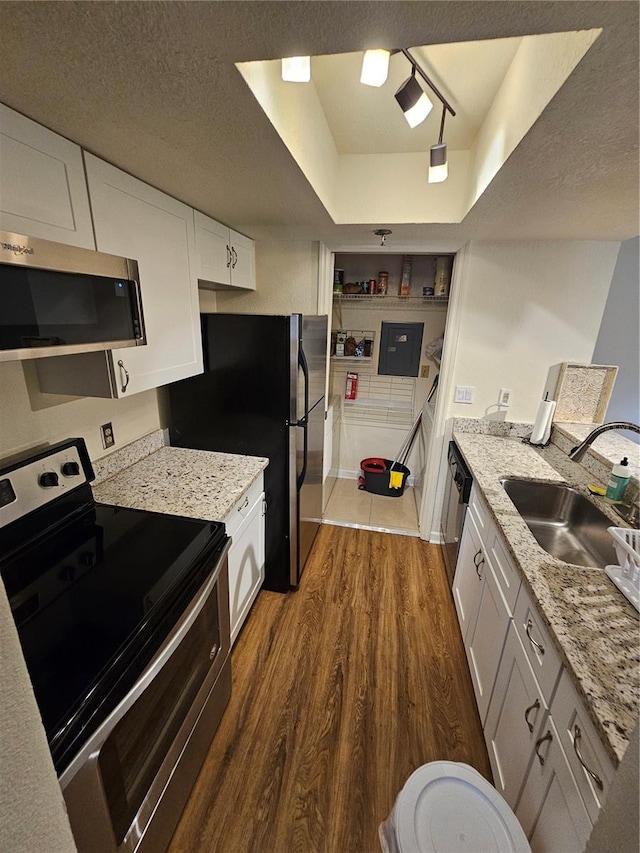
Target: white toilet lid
448,807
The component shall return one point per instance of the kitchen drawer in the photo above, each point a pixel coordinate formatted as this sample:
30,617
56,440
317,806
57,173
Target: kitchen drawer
537,643
243,507
481,515
570,717
506,573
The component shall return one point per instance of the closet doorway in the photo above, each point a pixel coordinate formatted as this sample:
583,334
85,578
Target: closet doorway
373,421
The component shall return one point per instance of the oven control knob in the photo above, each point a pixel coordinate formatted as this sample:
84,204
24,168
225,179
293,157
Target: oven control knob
48,479
70,469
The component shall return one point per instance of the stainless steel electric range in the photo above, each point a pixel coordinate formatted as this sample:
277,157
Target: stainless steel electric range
123,618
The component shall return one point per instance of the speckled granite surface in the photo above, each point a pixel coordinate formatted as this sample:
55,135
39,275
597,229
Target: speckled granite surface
128,455
194,483
594,627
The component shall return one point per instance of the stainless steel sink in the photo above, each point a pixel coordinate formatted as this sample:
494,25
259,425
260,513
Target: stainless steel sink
564,522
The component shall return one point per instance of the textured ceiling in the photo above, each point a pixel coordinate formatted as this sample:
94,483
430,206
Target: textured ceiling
153,88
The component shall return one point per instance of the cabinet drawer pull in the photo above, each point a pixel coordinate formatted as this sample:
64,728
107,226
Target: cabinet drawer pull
244,505
214,651
577,735
539,742
535,706
124,376
533,642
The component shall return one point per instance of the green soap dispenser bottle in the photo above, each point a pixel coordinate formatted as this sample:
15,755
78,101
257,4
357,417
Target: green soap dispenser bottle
618,480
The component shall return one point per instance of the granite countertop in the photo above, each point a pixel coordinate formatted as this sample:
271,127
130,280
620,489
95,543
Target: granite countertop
194,483
593,625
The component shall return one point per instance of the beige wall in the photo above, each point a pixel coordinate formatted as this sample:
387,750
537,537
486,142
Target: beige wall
286,281
526,307
29,418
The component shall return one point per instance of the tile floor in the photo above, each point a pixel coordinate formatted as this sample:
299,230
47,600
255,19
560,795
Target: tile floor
350,507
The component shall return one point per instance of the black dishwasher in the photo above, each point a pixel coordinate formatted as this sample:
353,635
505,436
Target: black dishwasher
456,499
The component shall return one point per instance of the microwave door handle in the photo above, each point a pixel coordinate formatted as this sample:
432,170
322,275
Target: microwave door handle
153,670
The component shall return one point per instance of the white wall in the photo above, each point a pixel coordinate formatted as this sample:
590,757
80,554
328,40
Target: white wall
619,336
286,281
29,418
525,307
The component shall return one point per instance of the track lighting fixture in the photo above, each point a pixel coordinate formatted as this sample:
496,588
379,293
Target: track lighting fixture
375,67
413,101
296,69
438,167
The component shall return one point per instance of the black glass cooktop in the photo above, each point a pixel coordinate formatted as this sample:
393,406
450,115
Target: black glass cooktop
93,601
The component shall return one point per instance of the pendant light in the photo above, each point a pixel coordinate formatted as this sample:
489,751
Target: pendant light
296,69
375,67
413,101
438,166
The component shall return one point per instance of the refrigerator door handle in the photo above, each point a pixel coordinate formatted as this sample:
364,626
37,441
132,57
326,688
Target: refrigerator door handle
302,361
305,451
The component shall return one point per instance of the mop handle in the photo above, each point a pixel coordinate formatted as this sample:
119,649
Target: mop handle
406,444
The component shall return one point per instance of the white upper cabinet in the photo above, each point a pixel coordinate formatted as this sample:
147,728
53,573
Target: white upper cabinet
42,186
137,221
225,258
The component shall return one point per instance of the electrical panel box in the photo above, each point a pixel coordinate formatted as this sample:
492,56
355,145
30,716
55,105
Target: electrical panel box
400,345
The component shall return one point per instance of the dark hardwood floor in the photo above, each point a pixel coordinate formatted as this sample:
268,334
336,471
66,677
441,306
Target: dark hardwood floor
340,690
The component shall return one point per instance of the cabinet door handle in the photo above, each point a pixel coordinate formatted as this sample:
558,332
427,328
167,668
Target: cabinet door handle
124,376
475,557
228,257
577,734
539,742
533,642
244,505
235,258
478,567
535,706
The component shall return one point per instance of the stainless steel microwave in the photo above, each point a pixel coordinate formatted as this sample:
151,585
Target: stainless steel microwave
60,300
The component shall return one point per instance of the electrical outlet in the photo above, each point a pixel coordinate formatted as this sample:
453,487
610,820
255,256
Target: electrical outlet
424,371
504,397
108,438
464,394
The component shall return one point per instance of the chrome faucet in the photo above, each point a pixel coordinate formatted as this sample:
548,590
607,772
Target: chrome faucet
580,449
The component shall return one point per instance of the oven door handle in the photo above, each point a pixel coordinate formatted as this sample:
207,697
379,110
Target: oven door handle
152,671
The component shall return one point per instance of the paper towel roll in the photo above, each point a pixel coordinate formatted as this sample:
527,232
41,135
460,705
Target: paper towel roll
542,427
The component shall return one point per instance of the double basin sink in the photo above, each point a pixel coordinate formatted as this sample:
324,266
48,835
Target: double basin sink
564,522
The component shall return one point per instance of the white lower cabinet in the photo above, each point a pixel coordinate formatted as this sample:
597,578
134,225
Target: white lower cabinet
551,810
468,579
516,714
137,221
485,639
546,757
246,526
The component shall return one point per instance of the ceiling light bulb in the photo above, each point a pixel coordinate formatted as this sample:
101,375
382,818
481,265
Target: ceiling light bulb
375,67
413,101
296,69
438,166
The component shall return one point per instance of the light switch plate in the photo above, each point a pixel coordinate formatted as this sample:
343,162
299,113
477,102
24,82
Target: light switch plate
464,394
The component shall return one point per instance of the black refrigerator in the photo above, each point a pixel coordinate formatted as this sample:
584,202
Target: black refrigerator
262,394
